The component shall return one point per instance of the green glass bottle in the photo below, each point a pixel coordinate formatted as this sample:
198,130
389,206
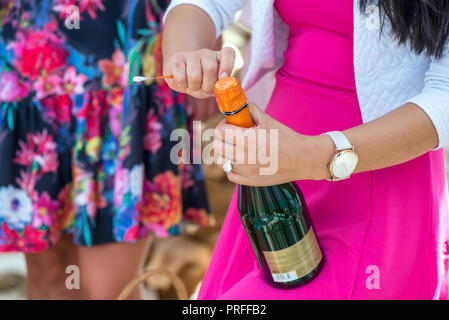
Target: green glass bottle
277,222
275,218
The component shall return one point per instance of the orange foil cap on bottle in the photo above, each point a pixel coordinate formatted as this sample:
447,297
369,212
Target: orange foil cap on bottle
232,102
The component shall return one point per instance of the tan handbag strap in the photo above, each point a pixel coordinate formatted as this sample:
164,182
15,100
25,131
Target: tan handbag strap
179,286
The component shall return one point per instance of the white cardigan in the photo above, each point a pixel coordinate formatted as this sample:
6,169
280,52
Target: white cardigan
387,74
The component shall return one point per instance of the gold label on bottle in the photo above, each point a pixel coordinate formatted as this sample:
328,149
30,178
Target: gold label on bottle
296,261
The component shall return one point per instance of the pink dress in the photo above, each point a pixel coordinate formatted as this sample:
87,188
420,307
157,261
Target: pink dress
384,233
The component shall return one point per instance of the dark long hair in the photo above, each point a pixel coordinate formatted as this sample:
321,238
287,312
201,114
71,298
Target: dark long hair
421,24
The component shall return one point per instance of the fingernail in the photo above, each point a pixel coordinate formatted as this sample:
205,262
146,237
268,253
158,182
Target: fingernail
223,75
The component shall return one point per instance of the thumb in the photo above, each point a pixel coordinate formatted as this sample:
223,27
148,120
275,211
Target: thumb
227,59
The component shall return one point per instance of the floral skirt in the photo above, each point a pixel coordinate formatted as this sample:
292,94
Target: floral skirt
96,165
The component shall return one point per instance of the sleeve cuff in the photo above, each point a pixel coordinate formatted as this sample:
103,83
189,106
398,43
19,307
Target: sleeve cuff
436,108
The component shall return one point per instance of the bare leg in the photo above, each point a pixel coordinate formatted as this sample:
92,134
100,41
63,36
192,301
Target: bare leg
106,269
46,278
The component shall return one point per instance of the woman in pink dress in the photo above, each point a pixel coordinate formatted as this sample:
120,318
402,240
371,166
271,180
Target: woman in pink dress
384,232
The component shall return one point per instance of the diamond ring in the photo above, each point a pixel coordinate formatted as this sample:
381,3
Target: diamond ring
227,166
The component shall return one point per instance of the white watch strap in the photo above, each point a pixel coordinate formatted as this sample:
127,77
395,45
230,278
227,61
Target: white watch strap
340,140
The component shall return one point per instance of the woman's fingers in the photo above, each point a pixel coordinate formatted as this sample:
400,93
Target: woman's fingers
239,173
238,152
227,60
178,68
209,64
235,167
224,150
194,72
237,178
197,71
242,137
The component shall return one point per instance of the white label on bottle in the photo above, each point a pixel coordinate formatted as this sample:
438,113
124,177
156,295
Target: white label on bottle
285,277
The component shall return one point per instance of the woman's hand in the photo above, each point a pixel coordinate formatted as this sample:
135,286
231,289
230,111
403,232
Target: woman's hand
289,155
195,72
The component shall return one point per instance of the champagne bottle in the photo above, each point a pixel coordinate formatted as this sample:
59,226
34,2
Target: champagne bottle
276,218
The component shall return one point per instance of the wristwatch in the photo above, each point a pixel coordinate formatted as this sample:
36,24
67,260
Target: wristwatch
343,164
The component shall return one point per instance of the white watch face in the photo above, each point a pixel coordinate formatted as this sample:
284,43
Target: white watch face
344,165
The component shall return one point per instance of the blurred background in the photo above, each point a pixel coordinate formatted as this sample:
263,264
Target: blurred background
186,256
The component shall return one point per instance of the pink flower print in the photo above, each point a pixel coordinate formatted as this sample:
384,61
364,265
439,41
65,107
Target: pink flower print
73,83
90,191
115,70
165,95
115,101
29,240
38,152
115,116
47,85
44,211
39,50
121,185
90,5
58,107
186,171
152,138
149,15
158,230
27,182
62,6
132,234
93,110
11,88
